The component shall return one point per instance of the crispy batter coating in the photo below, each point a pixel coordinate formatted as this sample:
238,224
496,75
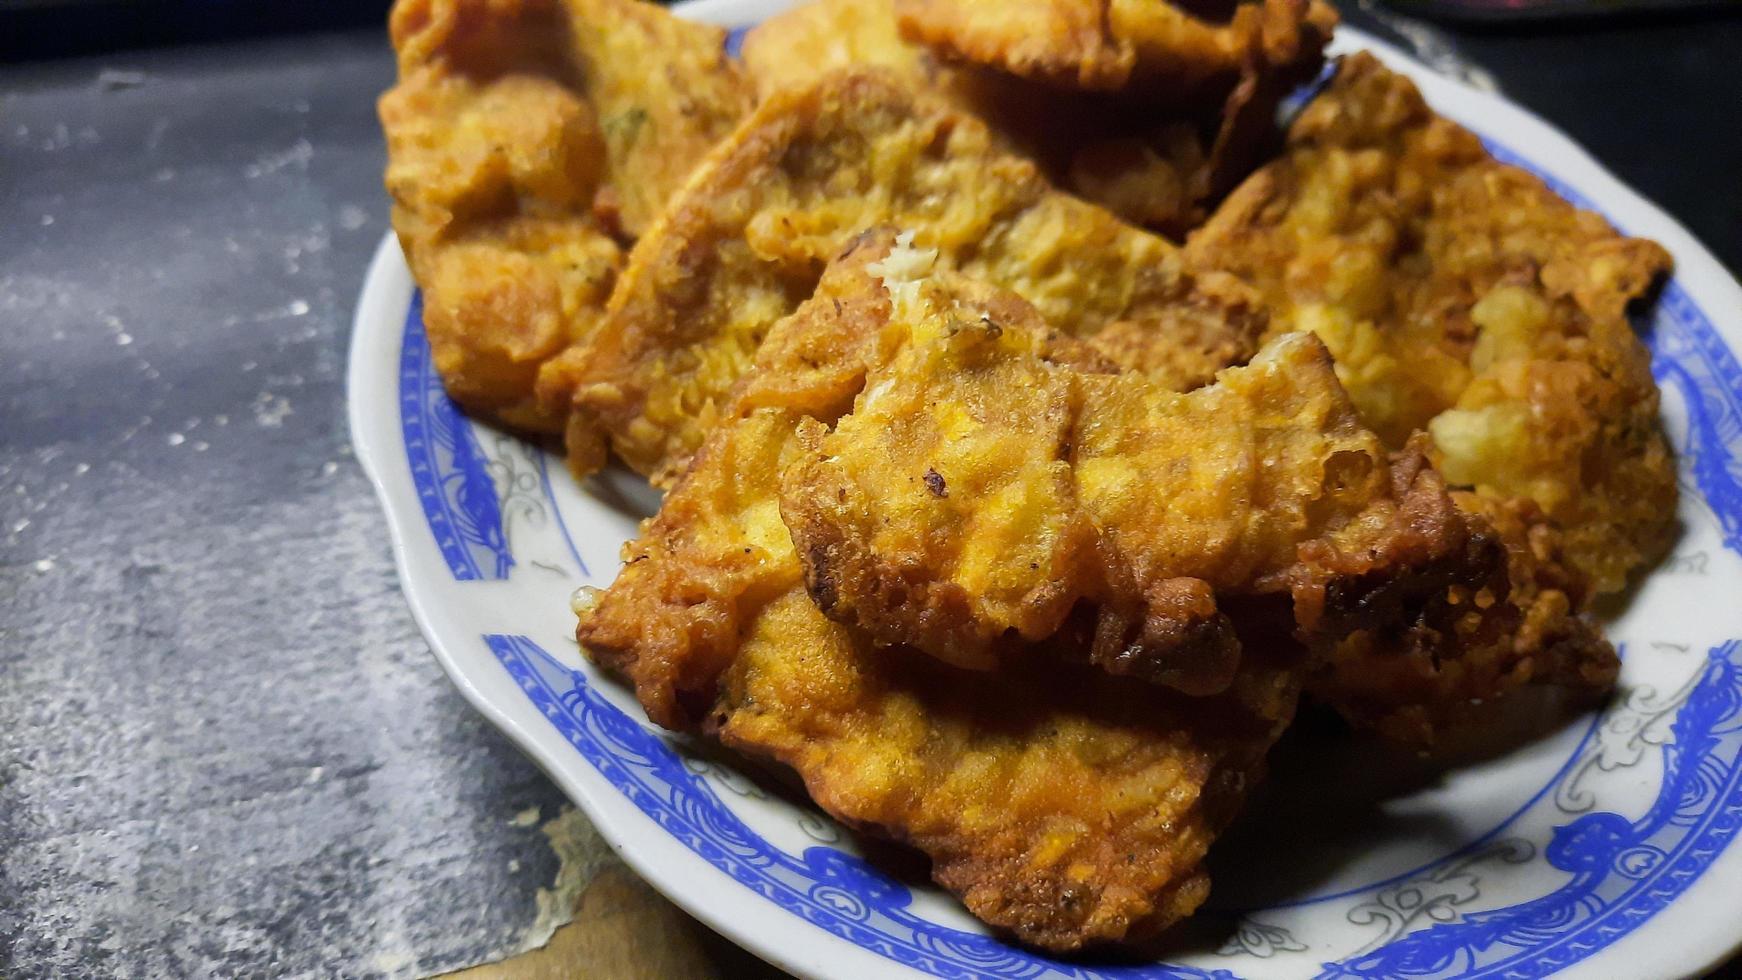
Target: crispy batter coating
664,91
673,619
796,47
1157,157
985,484
1459,296
1062,806
1114,44
1414,688
493,163
1060,41
514,173
745,240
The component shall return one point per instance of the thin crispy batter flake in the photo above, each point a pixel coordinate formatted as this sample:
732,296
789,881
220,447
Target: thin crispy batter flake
514,173
743,244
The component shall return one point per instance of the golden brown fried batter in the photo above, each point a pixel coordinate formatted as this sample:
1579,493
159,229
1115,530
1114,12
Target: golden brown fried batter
1069,808
664,91
1061,805
744,242
1157,157
1060,41
493,163
984,485
717,549
510,158
798,46
1460,296
1113,44
1414,688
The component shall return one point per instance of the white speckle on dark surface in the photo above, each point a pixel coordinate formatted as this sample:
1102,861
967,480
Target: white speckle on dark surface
270,410
187,637
297,155
154,139
110,79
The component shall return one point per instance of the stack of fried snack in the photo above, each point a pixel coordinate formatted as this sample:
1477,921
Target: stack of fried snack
1014,528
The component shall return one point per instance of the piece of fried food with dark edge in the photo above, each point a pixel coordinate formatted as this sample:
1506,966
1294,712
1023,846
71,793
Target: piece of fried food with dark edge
1117,44
743,244
717,550
1416,686
665,92
1062,805
984,486
674,615
493,164
1067,42
1157,158
510,194
1460,296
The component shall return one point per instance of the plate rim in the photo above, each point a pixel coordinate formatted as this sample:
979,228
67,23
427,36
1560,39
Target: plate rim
712,896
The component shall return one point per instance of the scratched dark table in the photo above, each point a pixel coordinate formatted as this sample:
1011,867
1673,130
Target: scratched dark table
224,747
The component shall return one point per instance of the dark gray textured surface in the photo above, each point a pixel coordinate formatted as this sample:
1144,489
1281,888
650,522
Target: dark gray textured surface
224,748
223,744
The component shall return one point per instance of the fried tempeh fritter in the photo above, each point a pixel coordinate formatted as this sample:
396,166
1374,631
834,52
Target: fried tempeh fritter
664,91
1066,806
717,550
522,146
1461,297
745,240
1158,156
988,482
1062,804
493,164
1178,48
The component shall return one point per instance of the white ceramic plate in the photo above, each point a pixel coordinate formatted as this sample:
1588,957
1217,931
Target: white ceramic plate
1601,849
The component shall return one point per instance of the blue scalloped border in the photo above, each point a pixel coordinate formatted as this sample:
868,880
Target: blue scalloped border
1608,893
448,465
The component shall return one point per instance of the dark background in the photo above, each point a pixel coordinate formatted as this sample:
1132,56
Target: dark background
223,745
